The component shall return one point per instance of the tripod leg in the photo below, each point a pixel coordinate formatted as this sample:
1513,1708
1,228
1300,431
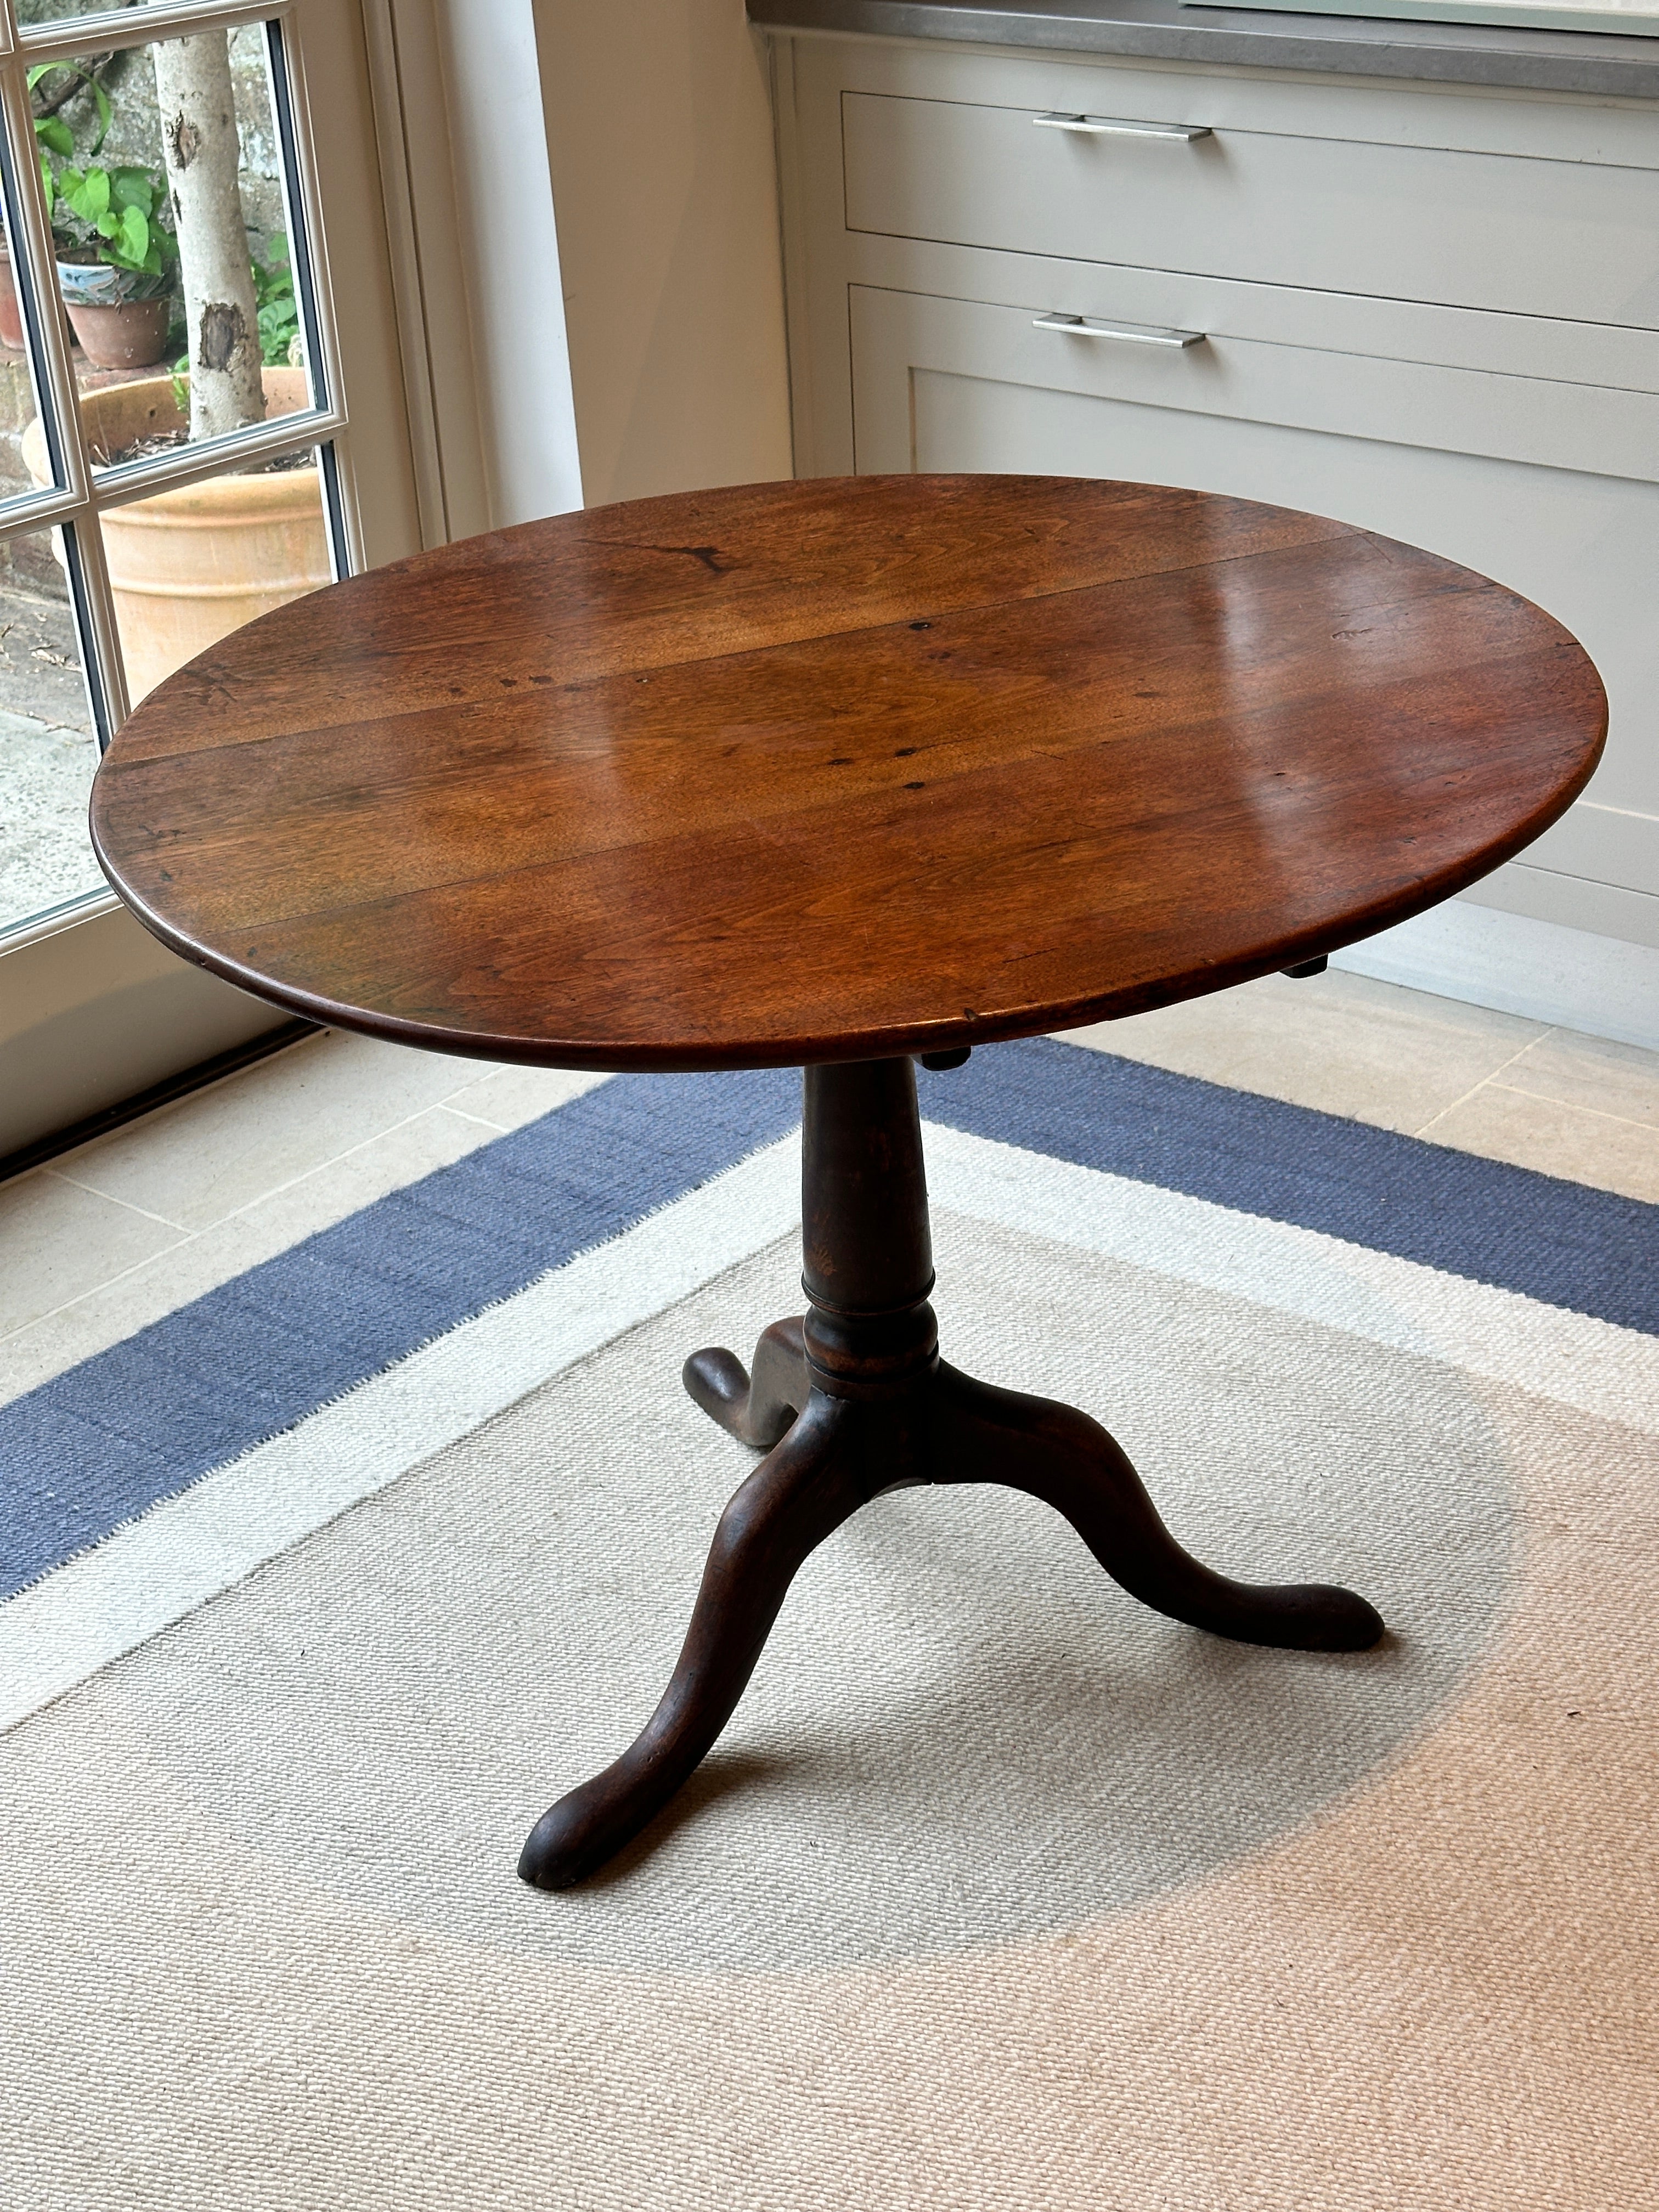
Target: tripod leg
803,1490
1059,1454
755,1409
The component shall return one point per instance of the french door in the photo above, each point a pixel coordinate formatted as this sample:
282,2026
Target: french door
136,528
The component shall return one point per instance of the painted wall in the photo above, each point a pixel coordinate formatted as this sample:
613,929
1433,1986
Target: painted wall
509,402
659,140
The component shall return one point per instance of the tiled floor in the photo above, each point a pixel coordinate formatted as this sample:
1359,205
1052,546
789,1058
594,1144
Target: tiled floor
116,1234
111,1236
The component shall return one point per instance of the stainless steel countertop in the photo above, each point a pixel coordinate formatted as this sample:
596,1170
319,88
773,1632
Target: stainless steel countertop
1162,30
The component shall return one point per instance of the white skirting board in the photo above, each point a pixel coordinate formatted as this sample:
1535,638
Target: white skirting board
1603,985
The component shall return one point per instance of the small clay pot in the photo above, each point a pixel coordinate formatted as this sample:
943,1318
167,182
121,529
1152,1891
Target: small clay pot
11,315
132,334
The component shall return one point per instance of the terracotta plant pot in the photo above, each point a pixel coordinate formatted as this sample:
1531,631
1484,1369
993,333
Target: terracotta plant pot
11,314
188,567
130,334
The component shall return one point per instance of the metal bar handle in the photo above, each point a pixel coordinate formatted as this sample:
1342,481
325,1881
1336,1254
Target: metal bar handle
1114,126
1086,326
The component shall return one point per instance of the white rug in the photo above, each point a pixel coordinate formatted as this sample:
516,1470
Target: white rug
999,1891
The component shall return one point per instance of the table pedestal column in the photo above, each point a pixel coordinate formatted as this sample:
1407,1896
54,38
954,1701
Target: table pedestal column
853,1400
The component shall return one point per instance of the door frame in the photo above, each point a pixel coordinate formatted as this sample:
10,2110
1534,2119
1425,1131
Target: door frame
93,1012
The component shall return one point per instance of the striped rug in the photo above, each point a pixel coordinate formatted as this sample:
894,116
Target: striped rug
1000,1890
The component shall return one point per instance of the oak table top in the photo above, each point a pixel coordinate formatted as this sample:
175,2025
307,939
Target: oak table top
838,770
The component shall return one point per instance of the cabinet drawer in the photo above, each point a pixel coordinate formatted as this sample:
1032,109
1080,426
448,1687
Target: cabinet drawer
1138,357
1568,240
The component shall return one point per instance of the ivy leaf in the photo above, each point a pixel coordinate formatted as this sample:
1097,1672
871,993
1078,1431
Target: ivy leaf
55,134
134,228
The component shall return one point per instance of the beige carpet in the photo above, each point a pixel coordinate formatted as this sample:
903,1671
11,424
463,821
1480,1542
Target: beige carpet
1000,1892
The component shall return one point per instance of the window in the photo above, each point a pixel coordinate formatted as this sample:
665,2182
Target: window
126,547
171,405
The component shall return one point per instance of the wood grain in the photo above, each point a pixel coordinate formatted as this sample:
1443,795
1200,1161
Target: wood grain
831,770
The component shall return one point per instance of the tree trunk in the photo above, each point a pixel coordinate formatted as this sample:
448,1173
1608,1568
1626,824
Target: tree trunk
203,153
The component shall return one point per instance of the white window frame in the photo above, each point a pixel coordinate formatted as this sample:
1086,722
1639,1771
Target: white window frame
80,499
93,1010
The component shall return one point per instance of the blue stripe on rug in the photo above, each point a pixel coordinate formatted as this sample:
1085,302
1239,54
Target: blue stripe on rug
1588,1250
141,1422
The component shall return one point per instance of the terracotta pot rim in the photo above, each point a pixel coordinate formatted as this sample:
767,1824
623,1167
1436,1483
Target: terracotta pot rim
215,498
119,308
138,395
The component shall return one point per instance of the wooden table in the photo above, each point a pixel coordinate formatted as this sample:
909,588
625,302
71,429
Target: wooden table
840,774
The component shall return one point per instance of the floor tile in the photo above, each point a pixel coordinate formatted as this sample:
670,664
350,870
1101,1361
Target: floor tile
508,1097
224,1148
1571,1141
1343,1044
60,1242
196,1265
1587,1071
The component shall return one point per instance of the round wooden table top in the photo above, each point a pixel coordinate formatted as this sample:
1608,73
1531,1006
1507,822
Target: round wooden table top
838,770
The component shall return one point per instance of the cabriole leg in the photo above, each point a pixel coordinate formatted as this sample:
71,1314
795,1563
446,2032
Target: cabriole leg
852,1400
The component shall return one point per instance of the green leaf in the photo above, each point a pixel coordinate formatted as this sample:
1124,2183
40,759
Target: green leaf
135,225
56,134
89,195
133,188
279,322
105,114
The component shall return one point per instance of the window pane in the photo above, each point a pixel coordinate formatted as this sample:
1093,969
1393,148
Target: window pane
187,567
47,748
25,458
21,472
55,11
132,238
63,10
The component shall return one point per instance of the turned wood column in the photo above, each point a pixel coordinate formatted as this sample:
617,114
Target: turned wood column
867,1252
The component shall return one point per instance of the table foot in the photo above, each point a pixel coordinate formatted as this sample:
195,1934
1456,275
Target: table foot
804,1488
1053,1452
757,1408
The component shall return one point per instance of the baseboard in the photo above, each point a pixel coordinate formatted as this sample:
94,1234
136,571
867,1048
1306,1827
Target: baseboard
164,1093
96,1012
1605,985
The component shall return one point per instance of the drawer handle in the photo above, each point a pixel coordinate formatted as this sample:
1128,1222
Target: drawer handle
1084,326
1111,126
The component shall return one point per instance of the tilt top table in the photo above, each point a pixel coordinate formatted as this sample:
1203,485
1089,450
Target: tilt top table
837,774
